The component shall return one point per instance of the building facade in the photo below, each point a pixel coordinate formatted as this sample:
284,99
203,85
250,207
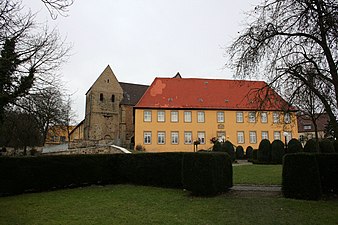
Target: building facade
109,110
306,126
176,112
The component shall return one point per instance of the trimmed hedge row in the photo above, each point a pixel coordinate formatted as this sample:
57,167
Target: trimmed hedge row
34,174
308,175
207,174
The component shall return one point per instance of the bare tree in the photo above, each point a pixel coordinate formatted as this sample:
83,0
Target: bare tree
30,53
57,7
296,44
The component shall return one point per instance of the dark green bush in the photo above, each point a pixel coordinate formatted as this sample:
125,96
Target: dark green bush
239,152
254,154
153,169
229,148
264,151
294,146
301,178
328,170
207,173
277,151
217,146
249,153
311,146
335,145
52,172
326,146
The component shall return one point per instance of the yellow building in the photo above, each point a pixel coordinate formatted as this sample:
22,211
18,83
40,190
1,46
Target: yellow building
175,112
58,134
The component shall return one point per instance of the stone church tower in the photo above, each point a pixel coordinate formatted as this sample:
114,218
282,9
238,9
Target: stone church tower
102,118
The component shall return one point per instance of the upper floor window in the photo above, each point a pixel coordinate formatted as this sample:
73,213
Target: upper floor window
252,117
239,117
160,116
220,117
174,116
200,117
264,117
187,116
307,127
276,117
112,97
147,116
101,97
287,118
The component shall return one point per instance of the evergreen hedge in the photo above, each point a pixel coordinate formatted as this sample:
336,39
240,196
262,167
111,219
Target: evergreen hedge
326,146
264,151
207,173
239,152
294,146
277,151
249,153
308,175
310,146
300,178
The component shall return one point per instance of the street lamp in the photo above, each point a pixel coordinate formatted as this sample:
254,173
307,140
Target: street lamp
285,134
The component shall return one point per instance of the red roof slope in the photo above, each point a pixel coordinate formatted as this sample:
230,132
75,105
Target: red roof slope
196,93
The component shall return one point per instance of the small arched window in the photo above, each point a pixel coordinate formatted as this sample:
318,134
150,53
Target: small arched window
113,98
101,97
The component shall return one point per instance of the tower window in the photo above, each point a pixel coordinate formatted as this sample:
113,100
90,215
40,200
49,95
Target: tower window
113,98
101,97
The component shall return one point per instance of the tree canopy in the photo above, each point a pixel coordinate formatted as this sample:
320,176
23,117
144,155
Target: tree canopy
296,44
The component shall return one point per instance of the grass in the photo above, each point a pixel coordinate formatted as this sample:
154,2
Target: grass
258,174
127,204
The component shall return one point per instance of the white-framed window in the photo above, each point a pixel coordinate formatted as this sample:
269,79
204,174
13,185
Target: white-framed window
276,135
201,137
220,117
265,135
275,117
264,117
239,117
252,117
174,116
287,118
161,137
147,137
307,127
240,137
187,116
187,137
147,116
253,137
221,135
200,117
174,137
160,116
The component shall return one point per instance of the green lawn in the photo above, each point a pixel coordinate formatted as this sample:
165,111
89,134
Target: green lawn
127,204
257,174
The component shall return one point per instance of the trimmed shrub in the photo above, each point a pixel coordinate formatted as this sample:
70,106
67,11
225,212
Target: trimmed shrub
153,169
294,146
328,170
249,153
326,146
264,151
335,145
228,147
254,154
301,179
18,175
207,173
277,151
239,152
217,146
310,146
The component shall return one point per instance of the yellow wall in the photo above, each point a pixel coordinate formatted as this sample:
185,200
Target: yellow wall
210,127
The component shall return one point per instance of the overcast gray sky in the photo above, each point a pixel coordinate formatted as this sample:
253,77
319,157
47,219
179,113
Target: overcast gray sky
144,39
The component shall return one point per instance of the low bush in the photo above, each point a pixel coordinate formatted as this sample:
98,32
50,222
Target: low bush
311,146
294,146
249,153
254,154
207,173
264,151
277,151
153,169
335,145
326,146
228,147
328,170
301,178
239,152
217,146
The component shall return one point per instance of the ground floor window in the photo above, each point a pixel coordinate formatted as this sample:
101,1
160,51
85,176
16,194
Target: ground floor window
161,138
253,137
201,137
147,137
174,138
187,137
240,137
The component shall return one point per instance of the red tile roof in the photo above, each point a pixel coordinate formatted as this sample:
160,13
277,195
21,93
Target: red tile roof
196,93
